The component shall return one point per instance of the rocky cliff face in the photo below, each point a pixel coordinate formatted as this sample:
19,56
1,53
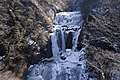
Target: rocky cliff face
101,35
24,33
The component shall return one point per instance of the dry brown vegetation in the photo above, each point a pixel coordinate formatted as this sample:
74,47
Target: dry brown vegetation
101,32
21,21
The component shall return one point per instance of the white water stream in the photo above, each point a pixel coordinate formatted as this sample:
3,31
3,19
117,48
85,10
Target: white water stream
72,65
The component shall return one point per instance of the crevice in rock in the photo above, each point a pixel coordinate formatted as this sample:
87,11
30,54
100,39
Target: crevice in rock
69,38
103,45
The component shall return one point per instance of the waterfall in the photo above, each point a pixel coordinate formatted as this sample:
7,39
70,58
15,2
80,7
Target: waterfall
66,64
58,41
66,22
63,41
55,49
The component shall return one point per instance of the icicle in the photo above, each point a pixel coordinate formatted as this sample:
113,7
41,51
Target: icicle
63,41
55,49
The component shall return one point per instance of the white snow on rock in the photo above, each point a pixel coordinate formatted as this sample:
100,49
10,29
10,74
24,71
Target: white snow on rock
66,64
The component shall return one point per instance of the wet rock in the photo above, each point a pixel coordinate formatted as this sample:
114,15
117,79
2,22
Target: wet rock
63,58
69,38
3,52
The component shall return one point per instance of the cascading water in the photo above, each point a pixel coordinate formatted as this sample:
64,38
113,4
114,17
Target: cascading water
66,64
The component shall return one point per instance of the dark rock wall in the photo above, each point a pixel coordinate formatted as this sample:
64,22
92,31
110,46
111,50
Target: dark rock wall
68,40
23,21
24,33
101,35
74,5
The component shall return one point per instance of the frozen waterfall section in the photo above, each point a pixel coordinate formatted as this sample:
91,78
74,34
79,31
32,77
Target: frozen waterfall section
66,64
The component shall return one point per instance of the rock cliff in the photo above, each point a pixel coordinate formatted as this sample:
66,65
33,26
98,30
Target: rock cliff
24,35
101,35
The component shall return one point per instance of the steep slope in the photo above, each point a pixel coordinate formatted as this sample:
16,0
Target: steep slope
101,34
24,33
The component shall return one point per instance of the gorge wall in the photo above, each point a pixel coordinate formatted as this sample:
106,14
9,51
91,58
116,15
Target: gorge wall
101,34
24,34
